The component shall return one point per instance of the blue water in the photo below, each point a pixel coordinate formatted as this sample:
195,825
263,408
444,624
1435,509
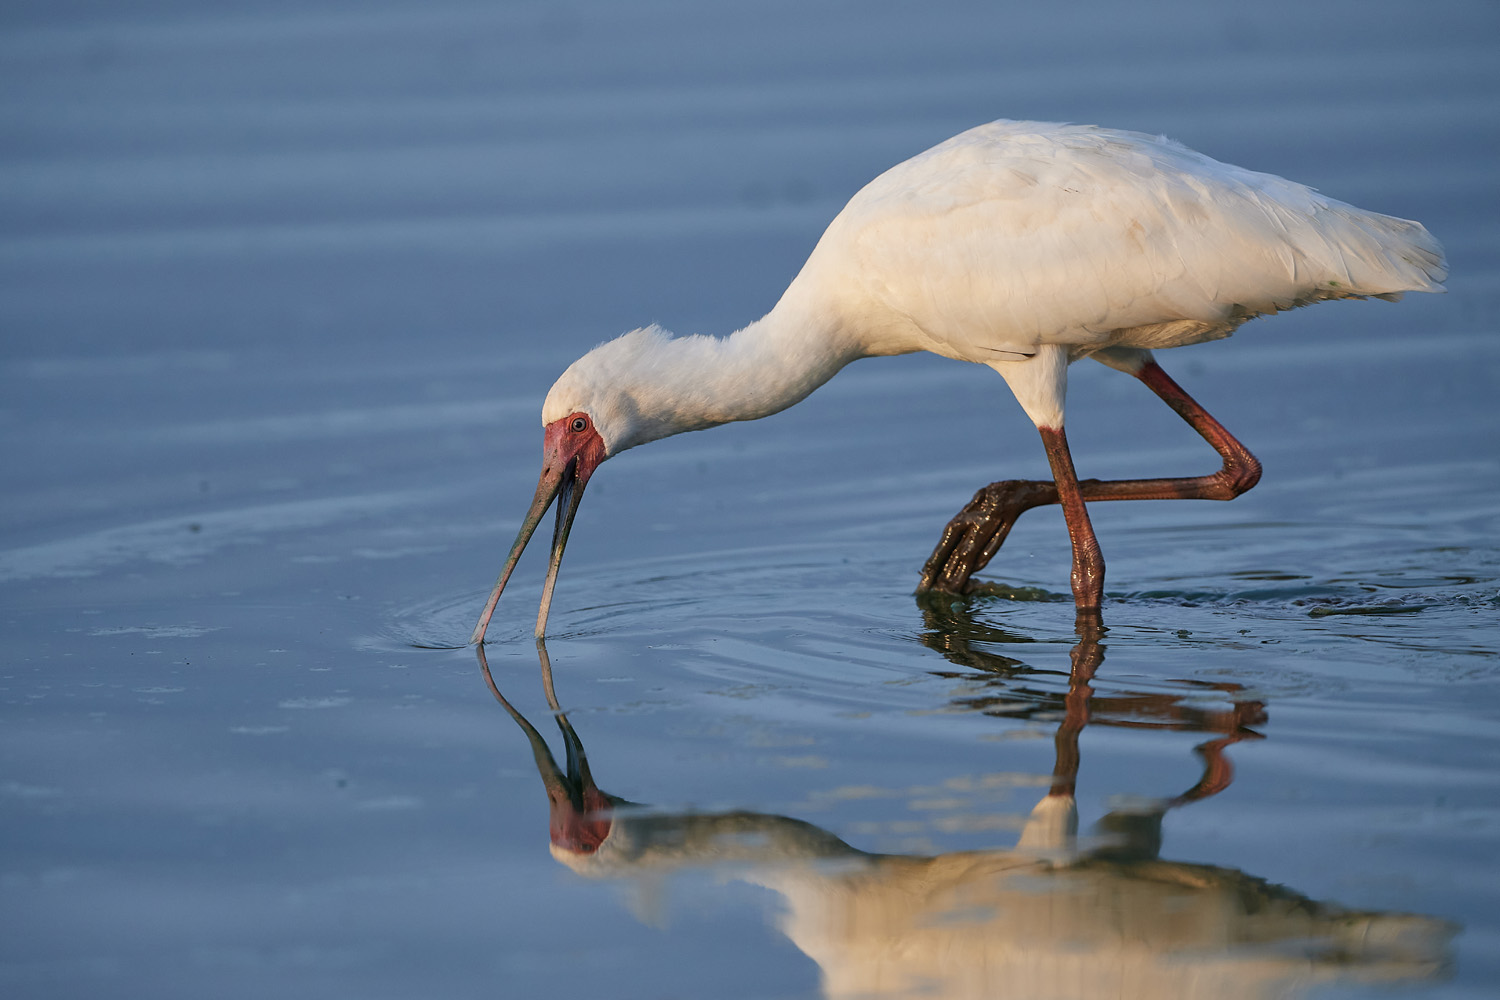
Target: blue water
281,290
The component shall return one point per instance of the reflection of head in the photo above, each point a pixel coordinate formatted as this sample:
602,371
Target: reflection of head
580,818
580,814
1045,919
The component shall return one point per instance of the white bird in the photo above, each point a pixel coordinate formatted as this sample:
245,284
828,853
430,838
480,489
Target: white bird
1023,246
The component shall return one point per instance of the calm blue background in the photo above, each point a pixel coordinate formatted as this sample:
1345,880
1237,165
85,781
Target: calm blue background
282,286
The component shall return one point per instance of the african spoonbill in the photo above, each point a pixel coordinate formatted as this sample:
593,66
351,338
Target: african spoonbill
1023,246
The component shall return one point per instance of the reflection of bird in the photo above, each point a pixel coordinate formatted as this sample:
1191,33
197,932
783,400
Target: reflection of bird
1017,245
1047,919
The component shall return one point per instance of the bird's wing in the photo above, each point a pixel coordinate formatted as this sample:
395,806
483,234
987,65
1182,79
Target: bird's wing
1016,234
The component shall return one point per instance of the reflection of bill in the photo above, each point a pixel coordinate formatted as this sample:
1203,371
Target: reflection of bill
1047,919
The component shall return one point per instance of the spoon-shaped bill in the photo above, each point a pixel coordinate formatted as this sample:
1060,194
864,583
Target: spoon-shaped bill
571,451
546,491
569,496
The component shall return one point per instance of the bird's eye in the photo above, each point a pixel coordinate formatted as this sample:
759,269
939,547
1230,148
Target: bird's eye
580,424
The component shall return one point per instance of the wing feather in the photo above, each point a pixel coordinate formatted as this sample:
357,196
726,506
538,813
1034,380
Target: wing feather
1017,234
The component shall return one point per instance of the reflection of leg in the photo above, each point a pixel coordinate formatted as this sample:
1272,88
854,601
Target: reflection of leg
1087,656
1053,823
1136,833
1218,772
973,537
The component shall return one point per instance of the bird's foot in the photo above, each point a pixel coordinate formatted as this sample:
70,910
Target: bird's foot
973,537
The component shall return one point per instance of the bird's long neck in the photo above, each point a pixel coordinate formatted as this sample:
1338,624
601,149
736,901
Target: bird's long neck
771,364
689,383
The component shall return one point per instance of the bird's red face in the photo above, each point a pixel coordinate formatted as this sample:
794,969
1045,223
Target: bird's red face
572,439
571,450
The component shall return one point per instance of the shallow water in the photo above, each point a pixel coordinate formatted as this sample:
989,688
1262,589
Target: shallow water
282,292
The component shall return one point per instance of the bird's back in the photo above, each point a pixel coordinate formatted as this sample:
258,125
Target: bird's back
1016,234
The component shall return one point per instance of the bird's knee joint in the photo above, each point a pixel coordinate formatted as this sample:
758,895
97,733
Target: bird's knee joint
1243,475
1237,476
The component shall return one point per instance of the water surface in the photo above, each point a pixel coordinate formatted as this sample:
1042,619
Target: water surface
281,292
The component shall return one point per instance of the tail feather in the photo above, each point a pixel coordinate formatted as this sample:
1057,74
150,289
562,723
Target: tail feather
1386,255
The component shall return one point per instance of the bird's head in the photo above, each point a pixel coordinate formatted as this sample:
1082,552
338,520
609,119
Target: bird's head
600,406
572,449
628,387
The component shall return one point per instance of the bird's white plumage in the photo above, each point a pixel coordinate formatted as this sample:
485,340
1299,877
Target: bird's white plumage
1015,234
1020,245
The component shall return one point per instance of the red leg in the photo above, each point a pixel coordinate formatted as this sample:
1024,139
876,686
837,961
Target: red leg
973,537
1088,561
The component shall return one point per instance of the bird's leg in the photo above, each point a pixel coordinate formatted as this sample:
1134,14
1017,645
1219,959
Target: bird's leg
1240,471
1088,561
973,537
